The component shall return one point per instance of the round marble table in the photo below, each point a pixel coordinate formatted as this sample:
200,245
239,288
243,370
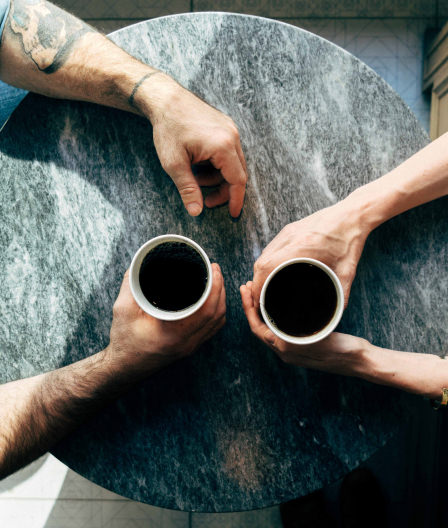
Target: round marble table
231,428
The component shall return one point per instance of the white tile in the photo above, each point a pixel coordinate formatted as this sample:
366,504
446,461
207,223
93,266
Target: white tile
33,513
129,513
106,9
265,518
43,479
48,478
323,8
19,513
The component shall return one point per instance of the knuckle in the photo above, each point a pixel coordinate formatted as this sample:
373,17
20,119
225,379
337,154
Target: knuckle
227,141
187,190
260,265
117,309
233,130
288,229
172,166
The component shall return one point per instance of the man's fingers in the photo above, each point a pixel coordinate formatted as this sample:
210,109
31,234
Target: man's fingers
218,319
206,174
233,172
218,324
236,199
188,187
239,151
219,196
125,302
208,310
209,180
221,309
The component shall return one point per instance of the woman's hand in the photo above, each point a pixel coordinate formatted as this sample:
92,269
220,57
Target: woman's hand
338,353
334,235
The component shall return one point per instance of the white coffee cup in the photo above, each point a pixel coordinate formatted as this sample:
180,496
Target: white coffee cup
136,290
329,327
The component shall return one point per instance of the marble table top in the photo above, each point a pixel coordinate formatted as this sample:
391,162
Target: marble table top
231,428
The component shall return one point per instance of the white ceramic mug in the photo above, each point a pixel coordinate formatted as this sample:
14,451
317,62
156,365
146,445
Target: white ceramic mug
329,327
136,290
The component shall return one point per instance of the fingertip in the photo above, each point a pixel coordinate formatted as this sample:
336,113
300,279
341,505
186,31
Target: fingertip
194,209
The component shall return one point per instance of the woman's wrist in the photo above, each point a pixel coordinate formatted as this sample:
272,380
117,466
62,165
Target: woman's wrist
369,206
423,374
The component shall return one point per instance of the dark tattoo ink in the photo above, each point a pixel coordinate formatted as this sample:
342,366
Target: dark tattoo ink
137,86
48,34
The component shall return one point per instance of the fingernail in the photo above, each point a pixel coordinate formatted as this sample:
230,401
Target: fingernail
236,218
194,209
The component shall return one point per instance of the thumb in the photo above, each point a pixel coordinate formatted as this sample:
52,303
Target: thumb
188,187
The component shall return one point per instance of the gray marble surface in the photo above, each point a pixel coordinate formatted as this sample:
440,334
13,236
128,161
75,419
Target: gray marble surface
231,428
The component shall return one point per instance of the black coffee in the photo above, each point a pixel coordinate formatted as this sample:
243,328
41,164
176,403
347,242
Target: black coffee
300,299
173,276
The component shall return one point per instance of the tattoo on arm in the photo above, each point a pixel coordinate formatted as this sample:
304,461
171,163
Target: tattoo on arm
48,34
137,86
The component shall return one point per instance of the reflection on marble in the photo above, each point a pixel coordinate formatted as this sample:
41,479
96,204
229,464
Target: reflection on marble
231,428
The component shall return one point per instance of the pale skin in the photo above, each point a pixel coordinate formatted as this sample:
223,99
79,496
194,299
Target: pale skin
336,236
46,50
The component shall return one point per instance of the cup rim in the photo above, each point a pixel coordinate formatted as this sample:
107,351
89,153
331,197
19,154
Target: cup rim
136,290
329,327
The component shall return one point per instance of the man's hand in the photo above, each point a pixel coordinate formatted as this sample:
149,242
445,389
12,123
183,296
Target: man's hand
145,343
188,131
46,50
332,235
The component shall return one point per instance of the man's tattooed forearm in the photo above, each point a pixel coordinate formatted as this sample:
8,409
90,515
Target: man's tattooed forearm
48,34
138,84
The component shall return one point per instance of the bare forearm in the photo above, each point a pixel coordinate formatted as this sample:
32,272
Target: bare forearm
46,50
37,412
423,374
420,179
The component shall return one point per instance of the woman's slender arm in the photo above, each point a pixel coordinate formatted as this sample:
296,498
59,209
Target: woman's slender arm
424,374
336,235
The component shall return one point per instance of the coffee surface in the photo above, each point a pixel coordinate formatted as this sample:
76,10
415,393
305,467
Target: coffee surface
173,276
300,299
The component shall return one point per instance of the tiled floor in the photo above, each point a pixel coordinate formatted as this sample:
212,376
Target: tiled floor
47,494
